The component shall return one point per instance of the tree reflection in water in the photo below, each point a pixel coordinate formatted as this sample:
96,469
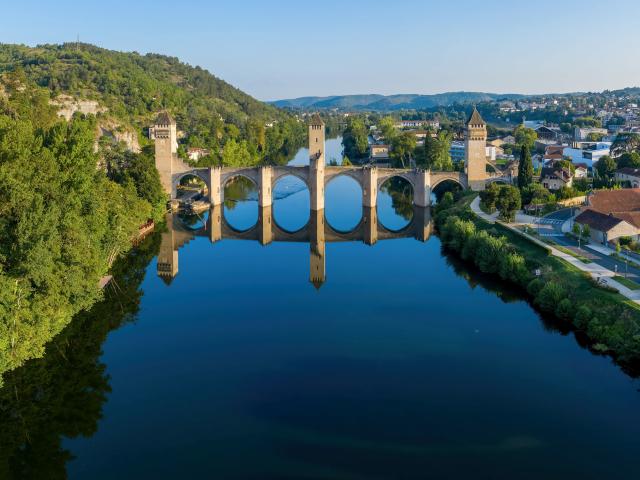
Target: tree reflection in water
401,194
62,394
239,189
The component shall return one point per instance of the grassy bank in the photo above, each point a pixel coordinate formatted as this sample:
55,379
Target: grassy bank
608,319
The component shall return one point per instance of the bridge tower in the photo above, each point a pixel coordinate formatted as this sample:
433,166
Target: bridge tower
475,151
317,266
316,162
166,142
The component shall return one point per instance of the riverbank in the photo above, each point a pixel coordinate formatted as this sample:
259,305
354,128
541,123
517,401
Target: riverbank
558,283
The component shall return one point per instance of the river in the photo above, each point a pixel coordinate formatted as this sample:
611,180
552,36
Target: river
403,362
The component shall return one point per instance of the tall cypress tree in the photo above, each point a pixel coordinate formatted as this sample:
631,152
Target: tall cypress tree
525,168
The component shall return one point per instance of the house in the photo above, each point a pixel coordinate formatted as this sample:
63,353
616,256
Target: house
582,134
611,201
379,152
587,153
547,133
510,139
604,228
195,153
434,124
555,177
581,171
629,174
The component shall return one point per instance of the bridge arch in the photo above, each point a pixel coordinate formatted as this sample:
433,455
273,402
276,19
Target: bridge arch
343,192
199,173
291,196
240,210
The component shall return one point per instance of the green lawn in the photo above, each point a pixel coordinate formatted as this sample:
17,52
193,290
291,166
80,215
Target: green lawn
630,284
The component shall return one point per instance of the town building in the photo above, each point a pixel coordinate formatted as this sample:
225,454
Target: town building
582,134
587,153
554,177
629,174
196,153
605,228
379,152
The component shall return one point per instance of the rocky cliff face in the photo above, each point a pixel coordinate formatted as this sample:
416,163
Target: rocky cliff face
67,106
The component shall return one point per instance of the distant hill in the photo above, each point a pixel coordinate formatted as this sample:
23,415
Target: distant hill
392,102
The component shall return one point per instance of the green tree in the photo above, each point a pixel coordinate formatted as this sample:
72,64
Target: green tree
525,136
508,202
606,167
437,155
525,168
402,148
355,138
346,162
388,128
629,159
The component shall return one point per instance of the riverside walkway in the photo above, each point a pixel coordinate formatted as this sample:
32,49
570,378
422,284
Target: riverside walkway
593,269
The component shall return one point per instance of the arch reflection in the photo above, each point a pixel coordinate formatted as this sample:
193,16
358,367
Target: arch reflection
317,233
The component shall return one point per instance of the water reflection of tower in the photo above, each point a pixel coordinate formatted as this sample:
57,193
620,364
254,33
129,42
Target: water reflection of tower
167,265
317,274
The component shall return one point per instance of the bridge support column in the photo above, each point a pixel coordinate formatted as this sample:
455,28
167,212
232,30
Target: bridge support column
370,218
265,199
317,266
265,225
422,188
370,187
316,183
214,223
422,222
215,186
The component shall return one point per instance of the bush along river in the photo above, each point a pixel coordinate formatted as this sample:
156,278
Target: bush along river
348,353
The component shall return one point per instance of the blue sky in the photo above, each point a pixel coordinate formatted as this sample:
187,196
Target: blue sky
283,49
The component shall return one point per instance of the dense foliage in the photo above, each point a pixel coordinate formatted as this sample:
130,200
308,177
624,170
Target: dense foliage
63,221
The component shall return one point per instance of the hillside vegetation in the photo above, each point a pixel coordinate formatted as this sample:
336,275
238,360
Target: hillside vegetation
134,87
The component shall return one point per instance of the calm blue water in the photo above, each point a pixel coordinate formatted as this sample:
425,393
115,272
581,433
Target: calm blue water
404,364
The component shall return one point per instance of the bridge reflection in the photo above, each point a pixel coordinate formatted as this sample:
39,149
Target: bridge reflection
317,232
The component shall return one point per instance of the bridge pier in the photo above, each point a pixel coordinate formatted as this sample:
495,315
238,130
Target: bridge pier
215,185
265,199
370,225
422,188
370,187
214,223
265,225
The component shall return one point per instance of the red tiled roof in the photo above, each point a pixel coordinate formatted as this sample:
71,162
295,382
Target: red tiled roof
608,201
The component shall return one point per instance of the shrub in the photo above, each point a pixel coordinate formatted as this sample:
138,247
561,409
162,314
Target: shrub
550,296
582,317
512,266
564,310
534,287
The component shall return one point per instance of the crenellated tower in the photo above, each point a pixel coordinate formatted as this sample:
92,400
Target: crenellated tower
164,133
475,151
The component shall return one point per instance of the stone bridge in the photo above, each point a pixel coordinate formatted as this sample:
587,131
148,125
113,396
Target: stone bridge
370,179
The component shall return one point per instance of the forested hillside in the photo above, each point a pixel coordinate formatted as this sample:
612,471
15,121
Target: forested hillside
63,220
133,88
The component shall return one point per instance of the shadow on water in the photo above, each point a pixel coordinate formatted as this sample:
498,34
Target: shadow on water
61,395
510,293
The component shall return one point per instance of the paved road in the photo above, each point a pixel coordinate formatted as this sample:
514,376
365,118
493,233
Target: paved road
551,226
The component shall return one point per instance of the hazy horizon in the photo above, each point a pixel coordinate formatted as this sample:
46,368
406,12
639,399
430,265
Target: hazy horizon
281,51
